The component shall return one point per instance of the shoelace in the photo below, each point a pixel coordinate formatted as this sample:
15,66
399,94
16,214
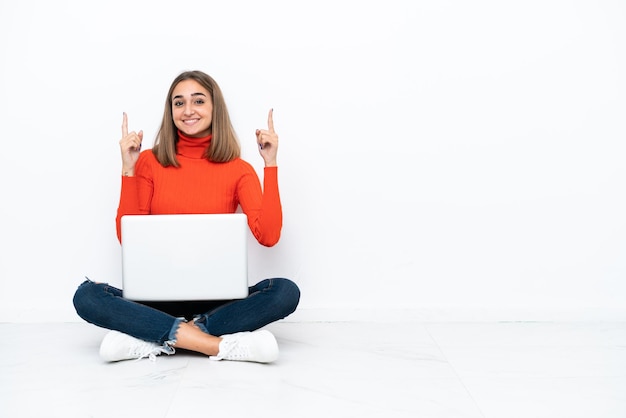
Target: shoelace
150,350
232,350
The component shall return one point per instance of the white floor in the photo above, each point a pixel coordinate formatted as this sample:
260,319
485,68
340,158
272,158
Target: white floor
489,370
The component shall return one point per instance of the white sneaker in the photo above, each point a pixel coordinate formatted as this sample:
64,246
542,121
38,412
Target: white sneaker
117,346
258,346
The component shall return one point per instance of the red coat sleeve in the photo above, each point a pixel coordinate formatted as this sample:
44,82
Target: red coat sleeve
135,193
263,207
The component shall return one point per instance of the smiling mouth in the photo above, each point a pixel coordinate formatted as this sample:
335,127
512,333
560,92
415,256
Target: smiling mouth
190,121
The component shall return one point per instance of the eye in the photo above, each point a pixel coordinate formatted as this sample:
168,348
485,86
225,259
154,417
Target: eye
200,102
177,103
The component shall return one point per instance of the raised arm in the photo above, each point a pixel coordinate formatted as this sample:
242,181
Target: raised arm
130,147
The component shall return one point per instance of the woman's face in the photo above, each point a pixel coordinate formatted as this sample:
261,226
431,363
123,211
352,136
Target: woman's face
192,109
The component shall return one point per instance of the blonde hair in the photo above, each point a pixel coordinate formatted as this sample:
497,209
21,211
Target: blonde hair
224,144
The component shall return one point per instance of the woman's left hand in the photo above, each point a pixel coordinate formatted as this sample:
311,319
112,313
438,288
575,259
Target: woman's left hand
268,142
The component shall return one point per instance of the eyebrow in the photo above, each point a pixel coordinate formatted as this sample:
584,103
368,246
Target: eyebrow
180,96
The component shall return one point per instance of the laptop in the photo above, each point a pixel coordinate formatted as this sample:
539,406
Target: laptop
184,257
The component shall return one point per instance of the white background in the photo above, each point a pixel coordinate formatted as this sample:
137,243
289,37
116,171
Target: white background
438,159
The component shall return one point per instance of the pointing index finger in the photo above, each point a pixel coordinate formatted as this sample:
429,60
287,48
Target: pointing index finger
124,125
270,120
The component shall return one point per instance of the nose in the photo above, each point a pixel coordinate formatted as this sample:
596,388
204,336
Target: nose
188,109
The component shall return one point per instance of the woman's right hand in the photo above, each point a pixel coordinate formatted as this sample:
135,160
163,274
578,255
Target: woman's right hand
130,146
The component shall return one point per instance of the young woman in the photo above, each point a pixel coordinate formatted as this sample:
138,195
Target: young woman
195,167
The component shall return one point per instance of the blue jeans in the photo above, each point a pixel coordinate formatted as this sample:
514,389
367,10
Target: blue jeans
158,322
